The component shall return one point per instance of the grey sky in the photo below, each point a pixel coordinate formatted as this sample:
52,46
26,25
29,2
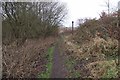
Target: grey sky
86,9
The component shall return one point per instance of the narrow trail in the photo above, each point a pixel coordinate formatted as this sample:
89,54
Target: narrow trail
58,69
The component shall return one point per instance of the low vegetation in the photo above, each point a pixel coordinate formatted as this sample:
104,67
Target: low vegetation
72,73
28,60
47,72
94,47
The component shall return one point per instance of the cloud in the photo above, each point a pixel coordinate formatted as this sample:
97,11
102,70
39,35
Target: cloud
85,8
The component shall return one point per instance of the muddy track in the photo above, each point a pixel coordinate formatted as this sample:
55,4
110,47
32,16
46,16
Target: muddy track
58,69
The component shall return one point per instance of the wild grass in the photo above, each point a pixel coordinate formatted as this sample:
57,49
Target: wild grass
70,63
25,61
99,55
46,74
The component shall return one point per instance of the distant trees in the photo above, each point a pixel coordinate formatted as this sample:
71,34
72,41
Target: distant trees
23,20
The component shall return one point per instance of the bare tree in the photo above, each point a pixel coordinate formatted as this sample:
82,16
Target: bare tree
32,19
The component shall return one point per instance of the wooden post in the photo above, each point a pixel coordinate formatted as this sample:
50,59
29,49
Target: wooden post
72,26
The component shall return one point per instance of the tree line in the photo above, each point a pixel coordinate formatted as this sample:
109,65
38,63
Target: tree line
22,20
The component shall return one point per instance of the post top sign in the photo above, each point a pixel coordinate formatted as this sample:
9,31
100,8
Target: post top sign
119,5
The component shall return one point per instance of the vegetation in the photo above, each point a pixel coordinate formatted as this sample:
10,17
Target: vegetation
28,30
70,63
26,61
47,72
22,20
105,26
94,47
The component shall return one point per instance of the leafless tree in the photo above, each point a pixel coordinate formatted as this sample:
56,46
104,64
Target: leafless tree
32,19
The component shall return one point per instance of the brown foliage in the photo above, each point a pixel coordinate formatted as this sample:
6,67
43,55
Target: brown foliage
25,61
105,26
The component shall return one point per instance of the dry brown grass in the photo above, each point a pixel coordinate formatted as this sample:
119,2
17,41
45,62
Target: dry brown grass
95,54
96,40
27,60
99,68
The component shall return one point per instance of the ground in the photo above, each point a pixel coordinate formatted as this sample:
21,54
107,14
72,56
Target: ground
56,58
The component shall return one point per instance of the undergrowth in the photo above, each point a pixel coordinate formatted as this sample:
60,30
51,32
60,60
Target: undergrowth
46,74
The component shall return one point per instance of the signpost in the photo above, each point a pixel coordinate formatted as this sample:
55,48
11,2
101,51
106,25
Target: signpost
72,26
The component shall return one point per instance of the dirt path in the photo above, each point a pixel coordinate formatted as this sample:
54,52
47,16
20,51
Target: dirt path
58,69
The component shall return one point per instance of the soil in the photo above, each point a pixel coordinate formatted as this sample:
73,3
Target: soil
58,69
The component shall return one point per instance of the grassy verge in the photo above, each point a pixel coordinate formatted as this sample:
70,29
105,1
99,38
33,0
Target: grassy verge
70,63
46,74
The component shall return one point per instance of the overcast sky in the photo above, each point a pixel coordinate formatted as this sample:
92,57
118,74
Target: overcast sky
86,9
